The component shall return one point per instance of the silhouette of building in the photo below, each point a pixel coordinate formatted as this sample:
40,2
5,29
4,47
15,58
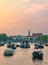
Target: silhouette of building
28,32
36,34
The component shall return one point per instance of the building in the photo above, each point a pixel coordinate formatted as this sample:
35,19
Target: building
35,36
28,32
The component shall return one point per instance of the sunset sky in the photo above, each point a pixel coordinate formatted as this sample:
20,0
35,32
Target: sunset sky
18,16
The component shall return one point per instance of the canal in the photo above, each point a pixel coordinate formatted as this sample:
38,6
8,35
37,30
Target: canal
23,57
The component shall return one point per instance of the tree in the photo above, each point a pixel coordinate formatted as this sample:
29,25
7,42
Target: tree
3,37
43,38
0,37
10,38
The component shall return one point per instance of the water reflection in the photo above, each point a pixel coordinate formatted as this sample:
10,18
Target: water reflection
23,57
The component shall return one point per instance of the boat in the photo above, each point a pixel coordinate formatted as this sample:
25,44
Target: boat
41,46
2,43
37,46
8,52
25,45
46,44
37,55
11,45
17,45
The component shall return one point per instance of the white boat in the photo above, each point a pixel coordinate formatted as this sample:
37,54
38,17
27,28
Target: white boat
39,45
46,44
2,43
8,52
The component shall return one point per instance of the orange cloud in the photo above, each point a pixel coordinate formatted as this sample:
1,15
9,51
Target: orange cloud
34,9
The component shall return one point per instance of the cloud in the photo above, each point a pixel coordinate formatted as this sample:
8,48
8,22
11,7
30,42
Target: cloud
20,15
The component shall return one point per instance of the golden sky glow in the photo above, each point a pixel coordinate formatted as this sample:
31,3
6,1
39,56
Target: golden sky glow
18,15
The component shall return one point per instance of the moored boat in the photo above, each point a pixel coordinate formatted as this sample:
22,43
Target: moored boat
8,52
17,45
11,45
25,44
37,46
46,44
37,55
2,43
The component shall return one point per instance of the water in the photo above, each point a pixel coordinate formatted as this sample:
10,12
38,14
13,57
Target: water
23,57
